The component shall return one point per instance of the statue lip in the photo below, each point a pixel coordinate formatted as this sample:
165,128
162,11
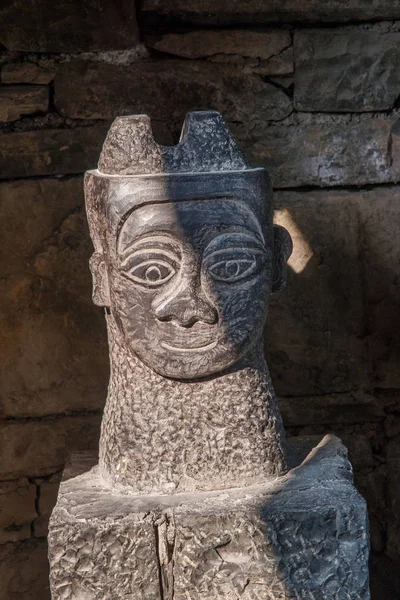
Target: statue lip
193,349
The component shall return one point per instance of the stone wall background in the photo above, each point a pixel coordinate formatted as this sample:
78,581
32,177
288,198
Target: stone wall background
312,92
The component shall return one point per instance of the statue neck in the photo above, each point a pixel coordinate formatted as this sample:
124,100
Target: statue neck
162,435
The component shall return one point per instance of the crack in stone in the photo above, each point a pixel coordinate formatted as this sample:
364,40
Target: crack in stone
164,530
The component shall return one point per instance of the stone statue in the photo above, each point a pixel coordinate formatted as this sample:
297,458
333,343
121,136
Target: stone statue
185,260
192,497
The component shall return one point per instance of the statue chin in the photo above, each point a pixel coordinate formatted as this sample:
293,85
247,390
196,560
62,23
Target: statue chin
189,363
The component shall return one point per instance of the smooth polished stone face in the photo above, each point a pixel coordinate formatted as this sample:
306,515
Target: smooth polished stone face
190,286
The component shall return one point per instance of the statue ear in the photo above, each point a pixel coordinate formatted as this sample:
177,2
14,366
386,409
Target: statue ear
101,292
282,250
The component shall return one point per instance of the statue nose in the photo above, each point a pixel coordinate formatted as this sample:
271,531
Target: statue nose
187,309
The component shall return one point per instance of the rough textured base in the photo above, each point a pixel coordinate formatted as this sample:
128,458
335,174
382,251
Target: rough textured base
300,536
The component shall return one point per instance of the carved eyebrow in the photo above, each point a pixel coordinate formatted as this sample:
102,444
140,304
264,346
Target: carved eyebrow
156,242
234,239
147,253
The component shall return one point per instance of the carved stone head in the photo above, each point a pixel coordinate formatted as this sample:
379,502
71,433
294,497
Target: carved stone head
186,255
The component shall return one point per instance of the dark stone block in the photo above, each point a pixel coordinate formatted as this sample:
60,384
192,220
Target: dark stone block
165,90
346,70
24,571
310,350
74,26
18,100
26,72
45,302
220,12
50,151
324,153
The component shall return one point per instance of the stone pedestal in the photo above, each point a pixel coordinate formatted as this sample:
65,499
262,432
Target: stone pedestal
300,536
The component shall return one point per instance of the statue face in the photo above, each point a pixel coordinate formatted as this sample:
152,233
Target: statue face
190,285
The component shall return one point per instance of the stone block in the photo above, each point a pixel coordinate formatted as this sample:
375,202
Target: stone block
385,577
39,447
166,90
24,571
313,334
346,70
50,151
17,510
26,72
380,254
47,499
220,12
393,498
298,536
18,100
47,26
323,153
207,42
346,409
45,301
373,485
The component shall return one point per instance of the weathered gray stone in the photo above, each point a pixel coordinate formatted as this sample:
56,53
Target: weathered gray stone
165,90
50,151
169,339
26,72
40,447
24,571
297,535
17,510
346,70
324,154
220,12
45,302
380,252
17,100
140,154
207,42
312,351
47,26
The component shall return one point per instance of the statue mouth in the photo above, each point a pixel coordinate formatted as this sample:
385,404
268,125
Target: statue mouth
192,349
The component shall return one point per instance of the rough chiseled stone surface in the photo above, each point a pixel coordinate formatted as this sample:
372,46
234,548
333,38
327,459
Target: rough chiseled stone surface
205,435
219,12
75,26
46,299
165,90
363,73
299,534
130,148
18,100
50,151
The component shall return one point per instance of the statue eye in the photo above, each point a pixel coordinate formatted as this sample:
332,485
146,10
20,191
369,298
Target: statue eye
232,270
152,273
